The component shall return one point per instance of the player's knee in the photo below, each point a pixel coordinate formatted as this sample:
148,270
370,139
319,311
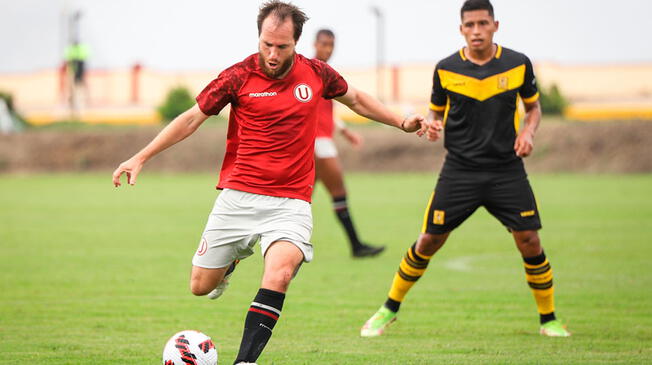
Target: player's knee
279,278
198,288
428,244
529,239
528,243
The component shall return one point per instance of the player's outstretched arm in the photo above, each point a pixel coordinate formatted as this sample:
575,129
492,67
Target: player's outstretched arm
180,128
367,106
525,140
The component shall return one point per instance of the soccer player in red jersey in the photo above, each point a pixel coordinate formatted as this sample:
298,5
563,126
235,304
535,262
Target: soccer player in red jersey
268,171
327,165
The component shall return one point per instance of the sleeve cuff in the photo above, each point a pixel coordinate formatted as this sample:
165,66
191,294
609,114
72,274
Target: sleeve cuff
201,106
441,108
531,99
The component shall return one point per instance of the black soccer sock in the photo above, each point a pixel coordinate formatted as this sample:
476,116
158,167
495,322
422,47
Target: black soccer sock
392,305
261,318
342,211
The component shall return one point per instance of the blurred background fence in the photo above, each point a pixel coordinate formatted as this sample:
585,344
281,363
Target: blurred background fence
131,95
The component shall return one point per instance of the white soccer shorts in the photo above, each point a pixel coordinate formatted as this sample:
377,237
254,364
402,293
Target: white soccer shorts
240,219
325,148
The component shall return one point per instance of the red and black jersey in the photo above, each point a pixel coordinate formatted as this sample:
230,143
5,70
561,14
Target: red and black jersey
272,124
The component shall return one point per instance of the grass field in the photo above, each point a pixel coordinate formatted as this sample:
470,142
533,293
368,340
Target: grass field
96,275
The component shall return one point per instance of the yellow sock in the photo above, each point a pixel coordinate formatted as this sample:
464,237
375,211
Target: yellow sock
539,276
412,267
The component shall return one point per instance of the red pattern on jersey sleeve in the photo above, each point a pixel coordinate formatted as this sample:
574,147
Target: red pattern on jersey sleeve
334,83
224,88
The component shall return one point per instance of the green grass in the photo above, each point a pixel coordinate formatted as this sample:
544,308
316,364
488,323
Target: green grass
97,275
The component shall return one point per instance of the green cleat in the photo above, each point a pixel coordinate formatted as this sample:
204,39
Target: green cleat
554,328
376,325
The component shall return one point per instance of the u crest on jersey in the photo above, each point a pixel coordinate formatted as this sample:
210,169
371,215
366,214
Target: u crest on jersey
303,93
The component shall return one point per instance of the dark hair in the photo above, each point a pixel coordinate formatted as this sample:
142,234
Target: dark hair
324,32
281,11
470,5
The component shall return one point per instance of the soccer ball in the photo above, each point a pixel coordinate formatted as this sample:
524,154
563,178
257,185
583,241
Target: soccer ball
189,348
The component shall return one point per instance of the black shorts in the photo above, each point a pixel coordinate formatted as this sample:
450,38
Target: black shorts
507,195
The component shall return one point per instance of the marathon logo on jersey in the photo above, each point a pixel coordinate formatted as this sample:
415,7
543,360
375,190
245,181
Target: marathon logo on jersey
303,93
263,94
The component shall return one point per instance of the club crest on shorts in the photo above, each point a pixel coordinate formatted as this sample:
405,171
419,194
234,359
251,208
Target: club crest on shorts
438,217
203,247
303,93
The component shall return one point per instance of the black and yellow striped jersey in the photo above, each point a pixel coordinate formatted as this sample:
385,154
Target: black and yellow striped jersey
480,106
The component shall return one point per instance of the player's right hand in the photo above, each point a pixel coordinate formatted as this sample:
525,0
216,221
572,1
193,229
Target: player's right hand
414,123
131,168
434,130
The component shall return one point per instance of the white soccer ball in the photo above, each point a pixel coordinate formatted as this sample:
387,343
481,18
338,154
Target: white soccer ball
189,348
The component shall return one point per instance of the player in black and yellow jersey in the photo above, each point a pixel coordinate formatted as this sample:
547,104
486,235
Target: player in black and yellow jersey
474,102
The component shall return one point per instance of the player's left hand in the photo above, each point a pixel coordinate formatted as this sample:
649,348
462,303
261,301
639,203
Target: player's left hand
524,144
354,139
415,123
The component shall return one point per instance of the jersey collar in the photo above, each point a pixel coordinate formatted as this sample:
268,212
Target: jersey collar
499,52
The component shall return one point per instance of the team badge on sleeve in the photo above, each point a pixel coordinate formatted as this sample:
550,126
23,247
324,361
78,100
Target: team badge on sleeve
303,93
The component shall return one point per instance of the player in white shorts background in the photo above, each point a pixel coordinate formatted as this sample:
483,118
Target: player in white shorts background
327,165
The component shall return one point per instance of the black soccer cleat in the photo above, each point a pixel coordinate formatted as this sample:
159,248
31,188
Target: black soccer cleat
367,251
